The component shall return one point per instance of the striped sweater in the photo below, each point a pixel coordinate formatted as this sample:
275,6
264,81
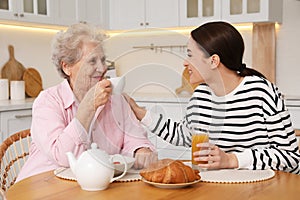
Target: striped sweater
252,122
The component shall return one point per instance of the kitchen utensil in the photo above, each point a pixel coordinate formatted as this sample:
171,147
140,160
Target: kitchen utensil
33,82
12,69
94,169
17,90
4,91
186,85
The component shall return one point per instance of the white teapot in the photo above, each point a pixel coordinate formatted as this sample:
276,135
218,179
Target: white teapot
94,169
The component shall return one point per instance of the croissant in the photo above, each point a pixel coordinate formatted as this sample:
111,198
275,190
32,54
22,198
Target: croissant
170,171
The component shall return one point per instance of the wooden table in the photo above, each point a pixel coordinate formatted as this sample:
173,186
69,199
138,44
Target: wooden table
47,186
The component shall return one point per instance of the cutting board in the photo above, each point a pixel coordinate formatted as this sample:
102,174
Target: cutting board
33,82
186,85
12,69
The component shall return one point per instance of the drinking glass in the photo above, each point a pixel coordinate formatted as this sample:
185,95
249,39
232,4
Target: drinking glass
198,137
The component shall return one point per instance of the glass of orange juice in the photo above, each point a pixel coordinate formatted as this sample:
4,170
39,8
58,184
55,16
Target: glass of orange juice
197,138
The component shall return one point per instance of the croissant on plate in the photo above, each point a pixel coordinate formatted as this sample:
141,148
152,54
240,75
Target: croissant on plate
170,171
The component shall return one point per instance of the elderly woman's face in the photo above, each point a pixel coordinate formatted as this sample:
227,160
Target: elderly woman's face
89,70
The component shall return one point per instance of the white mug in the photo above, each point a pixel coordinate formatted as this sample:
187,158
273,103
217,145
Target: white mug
4,89
17,90
118,84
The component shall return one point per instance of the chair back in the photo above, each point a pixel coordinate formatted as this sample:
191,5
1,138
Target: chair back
13,154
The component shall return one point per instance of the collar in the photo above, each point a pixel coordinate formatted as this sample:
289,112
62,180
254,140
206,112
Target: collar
67,94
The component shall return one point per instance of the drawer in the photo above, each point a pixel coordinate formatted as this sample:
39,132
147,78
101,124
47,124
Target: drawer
13,121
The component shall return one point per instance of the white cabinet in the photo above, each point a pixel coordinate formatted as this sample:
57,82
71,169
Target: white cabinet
175,111
136,14
69,12
34,11
238,11
13,121
196,12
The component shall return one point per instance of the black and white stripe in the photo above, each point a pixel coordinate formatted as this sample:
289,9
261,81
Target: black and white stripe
253,117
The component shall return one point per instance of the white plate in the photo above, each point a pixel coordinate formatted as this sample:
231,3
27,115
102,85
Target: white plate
236,175
170,186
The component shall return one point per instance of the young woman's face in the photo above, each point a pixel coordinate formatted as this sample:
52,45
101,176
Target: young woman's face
89,70
196,63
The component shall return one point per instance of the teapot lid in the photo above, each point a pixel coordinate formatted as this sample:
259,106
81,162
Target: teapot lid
99,155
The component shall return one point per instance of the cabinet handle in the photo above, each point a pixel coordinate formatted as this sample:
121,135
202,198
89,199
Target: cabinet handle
141,24
22,116
16,14
147,23
22,15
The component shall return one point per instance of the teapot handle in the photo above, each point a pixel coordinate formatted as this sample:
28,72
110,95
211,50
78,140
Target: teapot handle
125,168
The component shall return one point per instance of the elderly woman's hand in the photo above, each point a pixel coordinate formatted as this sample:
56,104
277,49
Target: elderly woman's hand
144,157
98,95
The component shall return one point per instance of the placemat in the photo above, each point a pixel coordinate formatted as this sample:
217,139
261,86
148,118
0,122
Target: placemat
66,173
236,175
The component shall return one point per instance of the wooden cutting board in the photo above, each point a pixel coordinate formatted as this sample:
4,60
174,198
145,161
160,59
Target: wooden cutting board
12,69
33,82
186,85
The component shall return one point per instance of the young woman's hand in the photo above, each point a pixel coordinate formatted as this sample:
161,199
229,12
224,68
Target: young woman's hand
217,159
138,111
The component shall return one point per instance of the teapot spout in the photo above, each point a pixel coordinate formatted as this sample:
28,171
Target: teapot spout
72,161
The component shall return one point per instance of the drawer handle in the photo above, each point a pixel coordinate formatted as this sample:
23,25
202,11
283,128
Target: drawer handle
22,116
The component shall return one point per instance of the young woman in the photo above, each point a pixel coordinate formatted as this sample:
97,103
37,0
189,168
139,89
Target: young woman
244,114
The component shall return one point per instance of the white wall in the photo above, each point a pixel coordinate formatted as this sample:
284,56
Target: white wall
288,48
32,49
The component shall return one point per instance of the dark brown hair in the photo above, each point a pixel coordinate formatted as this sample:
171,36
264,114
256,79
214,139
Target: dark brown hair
223,39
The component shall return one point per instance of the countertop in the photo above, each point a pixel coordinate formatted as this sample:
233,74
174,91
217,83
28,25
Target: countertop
161,97
8,105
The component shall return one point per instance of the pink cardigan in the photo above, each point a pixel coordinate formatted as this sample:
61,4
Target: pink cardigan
55,130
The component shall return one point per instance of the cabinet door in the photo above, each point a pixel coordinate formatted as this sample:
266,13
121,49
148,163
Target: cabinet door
13,121
93,12
238,11
162,14
126,14
7,9
196,12
66,12
38,11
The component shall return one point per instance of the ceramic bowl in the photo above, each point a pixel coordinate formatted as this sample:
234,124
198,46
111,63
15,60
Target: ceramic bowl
119,166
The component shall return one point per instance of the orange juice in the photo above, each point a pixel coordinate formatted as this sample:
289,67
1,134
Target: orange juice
196,139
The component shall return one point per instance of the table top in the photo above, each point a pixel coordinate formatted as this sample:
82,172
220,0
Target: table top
47,186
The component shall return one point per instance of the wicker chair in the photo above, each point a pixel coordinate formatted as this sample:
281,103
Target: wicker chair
13,154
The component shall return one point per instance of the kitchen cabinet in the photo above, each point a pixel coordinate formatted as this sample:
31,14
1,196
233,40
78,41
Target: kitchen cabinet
69,12
241,11
13,121
15,115
175,110
33,11
136,14
196,12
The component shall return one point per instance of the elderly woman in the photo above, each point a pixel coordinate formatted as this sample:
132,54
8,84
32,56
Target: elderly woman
71,115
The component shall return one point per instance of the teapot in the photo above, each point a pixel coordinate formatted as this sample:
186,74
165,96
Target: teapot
94,168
